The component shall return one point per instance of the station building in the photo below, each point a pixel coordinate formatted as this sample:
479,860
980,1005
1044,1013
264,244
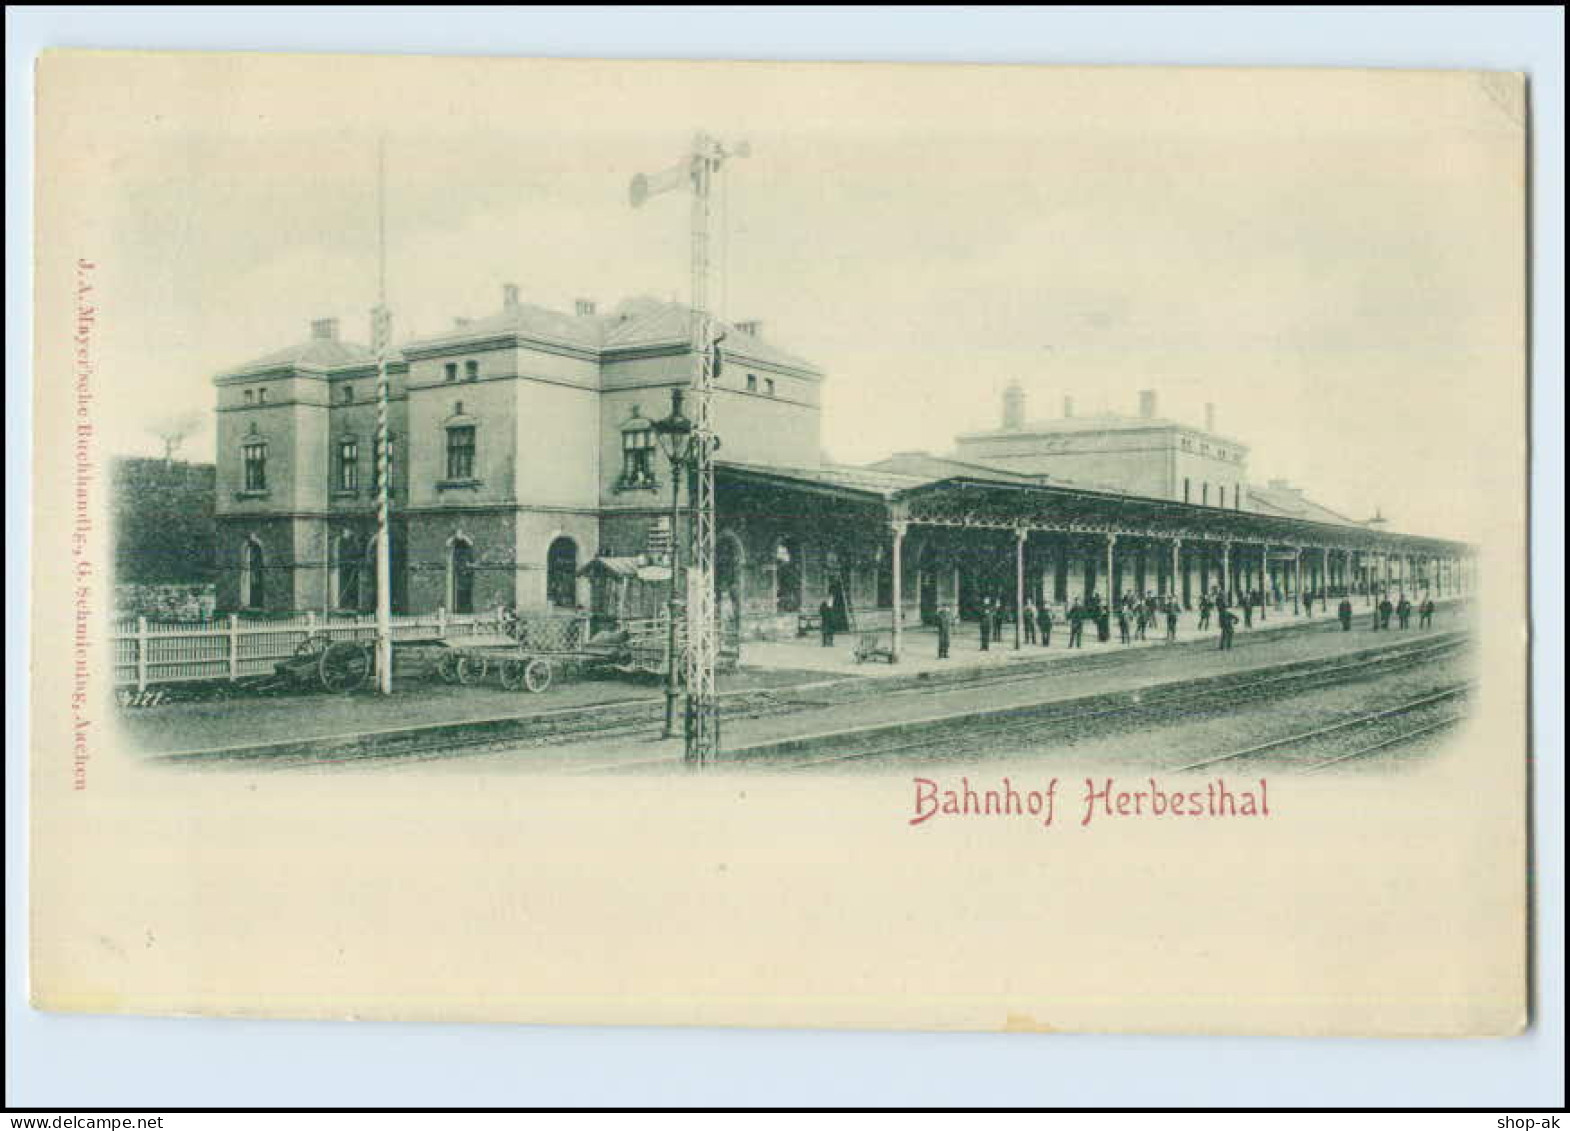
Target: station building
523,452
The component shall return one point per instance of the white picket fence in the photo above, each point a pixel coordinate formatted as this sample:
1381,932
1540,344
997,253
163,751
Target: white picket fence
148,652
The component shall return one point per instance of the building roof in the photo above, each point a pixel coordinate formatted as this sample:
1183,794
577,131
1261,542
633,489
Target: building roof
635,324
841,477
939,467
1097,422
645,322
1289,502
314,354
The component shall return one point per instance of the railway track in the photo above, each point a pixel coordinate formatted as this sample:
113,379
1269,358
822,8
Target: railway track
766,704
1313,751
963,733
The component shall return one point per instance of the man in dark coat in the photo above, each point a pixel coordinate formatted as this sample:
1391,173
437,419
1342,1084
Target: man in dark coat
1404,612
1425,613
1029,619
1385,609
1204,612
1172,619
1123,623
1076,625
1044,623
1248,610
1344,611
1228,626
826,624
986,624
945,631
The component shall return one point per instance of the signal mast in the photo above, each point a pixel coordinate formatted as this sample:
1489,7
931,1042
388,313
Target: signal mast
698,170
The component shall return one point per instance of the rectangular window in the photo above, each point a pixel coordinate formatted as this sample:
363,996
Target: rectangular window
768,385
452,371
1221,493
261,396
460,452
250,397
348,394
471,370
1185,488
255,457
348,465
752,382
637,457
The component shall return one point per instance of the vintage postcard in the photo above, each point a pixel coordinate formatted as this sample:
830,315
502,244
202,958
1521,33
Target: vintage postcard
826,545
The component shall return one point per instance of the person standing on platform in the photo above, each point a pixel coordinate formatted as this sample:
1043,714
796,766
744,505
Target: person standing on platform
945,631
1029,617
1076,625
1044,622
997,620
1344,611
1172,619
1123,623
1404,612
1385,609
1228,625
986,624
1425,613
1248,610
826,624
1204,611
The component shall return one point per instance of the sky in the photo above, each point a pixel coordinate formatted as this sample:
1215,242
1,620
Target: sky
1334,259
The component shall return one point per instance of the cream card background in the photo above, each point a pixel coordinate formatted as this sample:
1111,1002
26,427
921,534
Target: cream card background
1368,905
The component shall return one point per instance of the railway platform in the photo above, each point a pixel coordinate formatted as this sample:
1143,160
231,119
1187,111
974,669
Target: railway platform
819,713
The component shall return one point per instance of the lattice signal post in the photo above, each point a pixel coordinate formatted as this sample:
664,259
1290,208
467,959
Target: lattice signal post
698,171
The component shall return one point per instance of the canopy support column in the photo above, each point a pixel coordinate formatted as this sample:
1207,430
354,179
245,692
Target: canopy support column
1020,534
897,528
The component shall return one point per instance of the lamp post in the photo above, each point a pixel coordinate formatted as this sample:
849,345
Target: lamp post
674,435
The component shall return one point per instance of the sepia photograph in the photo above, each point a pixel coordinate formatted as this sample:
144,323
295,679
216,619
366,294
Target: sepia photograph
768,544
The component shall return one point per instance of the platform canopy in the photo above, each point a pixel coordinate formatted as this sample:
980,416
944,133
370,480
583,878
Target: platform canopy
984,503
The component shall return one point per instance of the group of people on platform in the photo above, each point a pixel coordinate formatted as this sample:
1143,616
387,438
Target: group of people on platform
1135,616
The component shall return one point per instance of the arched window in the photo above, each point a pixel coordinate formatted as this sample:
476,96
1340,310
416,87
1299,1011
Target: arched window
252,588
349,558
460,576
561,573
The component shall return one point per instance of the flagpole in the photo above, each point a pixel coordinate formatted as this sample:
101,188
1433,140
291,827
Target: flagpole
381,332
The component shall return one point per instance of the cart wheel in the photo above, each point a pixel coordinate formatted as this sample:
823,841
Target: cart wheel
537,675
512,673
345,666
472,669
447,667
313,645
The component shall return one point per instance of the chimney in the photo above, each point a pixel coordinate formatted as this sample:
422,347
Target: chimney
1013,407
752,328
585,307
1147,404
325,329
1210,417
1068,406
509,295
